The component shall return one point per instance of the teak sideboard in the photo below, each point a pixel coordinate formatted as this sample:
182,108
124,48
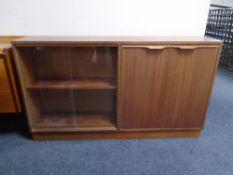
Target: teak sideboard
116,87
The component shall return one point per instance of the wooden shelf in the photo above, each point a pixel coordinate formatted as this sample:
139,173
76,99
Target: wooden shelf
54,120
82,122
74,84
94,120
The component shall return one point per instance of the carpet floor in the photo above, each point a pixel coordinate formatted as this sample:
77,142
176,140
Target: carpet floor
210,154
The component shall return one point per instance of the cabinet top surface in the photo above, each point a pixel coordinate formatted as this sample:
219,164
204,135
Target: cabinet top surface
4,46
5,42
113,40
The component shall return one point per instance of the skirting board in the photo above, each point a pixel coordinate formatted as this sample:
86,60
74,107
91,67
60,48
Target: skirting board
119,135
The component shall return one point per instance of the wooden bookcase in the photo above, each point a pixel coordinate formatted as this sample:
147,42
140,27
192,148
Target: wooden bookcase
115,87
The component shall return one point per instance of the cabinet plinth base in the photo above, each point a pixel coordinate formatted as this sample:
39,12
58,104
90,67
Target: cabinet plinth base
115,135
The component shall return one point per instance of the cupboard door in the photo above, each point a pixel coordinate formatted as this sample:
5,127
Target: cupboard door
190,75
142,86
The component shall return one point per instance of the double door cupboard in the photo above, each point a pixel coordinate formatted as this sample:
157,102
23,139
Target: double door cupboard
116,87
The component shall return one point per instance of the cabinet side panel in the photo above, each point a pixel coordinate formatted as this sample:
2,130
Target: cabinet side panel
6,98
142,87
188,85
13,79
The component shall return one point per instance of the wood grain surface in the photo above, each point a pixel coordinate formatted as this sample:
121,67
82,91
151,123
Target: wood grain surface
142,87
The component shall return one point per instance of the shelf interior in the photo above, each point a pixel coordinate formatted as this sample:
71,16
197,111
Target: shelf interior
87,66
70,87
73,108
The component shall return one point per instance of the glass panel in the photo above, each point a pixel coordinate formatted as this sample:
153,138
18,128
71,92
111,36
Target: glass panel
70,86
52,108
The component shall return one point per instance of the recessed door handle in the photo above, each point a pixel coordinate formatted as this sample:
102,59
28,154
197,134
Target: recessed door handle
160,47
191,47
148,47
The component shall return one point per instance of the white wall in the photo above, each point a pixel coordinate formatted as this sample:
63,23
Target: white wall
103,17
